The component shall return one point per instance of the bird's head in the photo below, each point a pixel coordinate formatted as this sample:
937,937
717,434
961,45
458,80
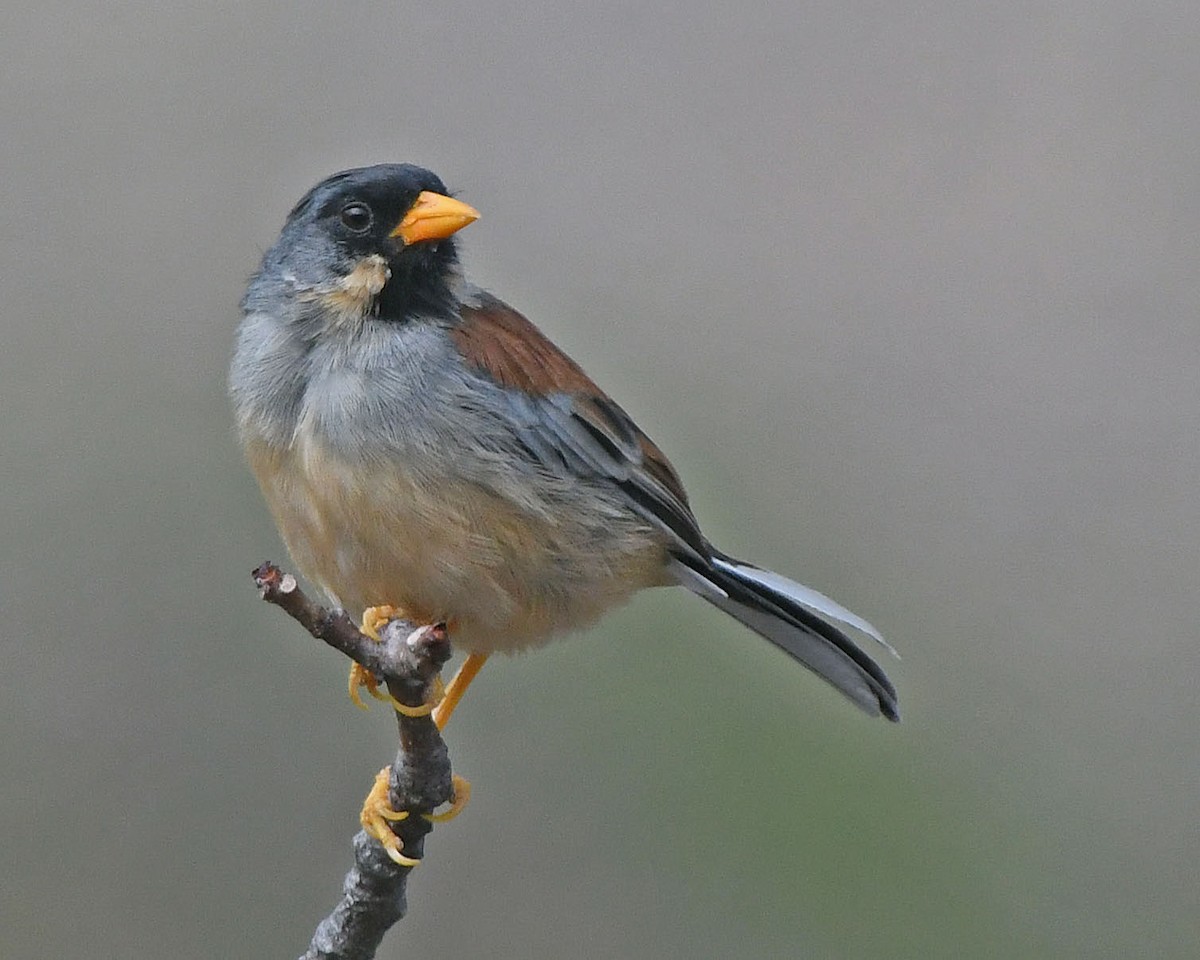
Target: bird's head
373,241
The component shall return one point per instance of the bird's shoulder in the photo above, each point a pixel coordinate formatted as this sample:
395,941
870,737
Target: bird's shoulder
512,351
503,344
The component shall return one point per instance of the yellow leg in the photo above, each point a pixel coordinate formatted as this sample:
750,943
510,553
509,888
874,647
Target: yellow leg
377,813
458,686
373,619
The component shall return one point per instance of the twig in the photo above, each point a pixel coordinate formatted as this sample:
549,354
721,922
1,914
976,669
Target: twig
408,659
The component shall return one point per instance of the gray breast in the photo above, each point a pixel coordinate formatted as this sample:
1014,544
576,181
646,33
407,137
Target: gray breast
382,391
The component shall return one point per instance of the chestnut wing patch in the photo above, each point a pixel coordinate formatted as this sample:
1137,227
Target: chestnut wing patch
566,420
512,351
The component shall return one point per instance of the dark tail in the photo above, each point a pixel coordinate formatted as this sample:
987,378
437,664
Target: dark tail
800,621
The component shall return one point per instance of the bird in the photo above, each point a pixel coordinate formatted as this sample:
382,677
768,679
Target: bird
426,450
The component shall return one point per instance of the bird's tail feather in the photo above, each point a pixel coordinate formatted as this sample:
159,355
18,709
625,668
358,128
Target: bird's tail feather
800,621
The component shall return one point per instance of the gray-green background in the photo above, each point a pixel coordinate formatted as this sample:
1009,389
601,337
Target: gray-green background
907,291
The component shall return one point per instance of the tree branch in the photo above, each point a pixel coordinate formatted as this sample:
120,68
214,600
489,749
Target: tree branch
408,660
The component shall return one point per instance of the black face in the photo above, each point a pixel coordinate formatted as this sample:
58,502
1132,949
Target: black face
358,210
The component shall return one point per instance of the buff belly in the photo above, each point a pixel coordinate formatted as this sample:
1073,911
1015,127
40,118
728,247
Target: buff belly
450,549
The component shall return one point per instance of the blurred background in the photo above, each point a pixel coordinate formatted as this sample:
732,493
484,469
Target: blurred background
908,293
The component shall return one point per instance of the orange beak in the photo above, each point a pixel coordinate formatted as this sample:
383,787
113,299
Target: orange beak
434,217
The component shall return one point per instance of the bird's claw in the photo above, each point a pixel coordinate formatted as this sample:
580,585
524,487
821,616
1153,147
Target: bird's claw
458,801
377,815
373,620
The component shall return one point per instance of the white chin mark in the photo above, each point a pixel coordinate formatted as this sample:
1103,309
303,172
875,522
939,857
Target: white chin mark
353,298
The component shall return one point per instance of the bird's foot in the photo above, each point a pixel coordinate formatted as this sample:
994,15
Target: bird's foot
373,620
458,801
377,814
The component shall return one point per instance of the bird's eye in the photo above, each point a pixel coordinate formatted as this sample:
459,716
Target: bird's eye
357,217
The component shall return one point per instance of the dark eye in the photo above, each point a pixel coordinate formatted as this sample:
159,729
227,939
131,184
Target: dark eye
357,217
